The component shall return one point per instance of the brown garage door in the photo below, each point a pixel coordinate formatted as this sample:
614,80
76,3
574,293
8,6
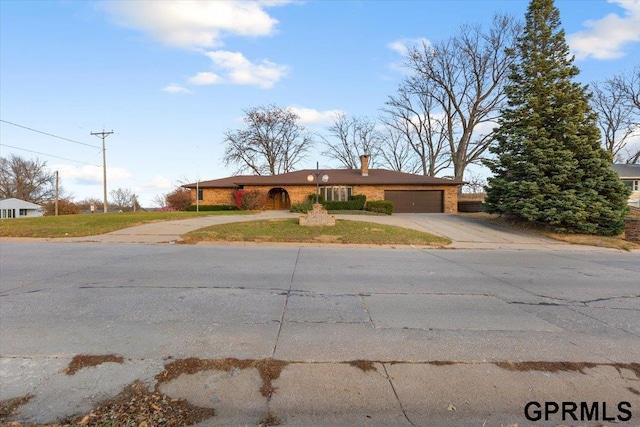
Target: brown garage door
416,201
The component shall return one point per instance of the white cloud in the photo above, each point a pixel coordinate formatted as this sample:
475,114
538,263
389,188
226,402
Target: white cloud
205,78
196,25
156,184
89,175
175,88
605,38
310,115
193,24
402,45
235,68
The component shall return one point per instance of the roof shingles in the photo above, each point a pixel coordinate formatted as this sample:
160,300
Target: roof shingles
336,177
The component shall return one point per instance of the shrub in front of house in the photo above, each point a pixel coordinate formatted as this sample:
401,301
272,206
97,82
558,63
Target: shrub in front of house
249,200
312,198
254,200
356,203
380,206
301,207
209,208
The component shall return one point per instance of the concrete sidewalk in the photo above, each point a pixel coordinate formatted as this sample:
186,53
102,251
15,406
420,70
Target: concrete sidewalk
346,394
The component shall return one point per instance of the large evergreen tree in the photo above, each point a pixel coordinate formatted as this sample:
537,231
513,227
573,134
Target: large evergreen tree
549,167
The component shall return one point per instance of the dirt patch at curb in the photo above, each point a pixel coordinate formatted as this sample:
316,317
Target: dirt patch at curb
8,407
133,406
81,361
363,365
269,369
137,406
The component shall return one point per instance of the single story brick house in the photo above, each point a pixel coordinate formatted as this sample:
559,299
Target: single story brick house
630,175
16,208
409,193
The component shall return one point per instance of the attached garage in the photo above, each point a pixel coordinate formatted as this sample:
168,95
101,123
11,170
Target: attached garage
416,201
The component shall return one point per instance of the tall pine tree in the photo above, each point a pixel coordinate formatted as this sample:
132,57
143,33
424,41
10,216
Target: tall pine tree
549,167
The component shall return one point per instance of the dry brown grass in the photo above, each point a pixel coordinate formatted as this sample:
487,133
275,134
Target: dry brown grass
612,242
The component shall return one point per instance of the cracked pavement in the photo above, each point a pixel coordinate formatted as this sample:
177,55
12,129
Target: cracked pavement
436,325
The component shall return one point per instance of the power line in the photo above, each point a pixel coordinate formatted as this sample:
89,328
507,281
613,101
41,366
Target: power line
49,155
49,134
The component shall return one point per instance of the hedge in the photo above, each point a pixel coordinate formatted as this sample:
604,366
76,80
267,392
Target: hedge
301,208
380,206
355,203
207,208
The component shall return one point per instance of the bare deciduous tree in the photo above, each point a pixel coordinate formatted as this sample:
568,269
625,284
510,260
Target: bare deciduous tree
85,204
160,200
465,76
412,112
474,184
24,179
349,138
616,116
122,198
629,87
272,142
397,153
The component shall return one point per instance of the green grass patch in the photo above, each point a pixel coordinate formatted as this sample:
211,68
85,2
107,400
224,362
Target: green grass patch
288,230
91,224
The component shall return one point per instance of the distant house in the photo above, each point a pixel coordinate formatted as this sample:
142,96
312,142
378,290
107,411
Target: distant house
16,208
409,193
630,175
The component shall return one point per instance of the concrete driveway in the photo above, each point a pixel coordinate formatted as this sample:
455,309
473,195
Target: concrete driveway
465,232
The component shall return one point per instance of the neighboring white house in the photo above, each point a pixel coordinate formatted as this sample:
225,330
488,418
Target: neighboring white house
16,208
630,175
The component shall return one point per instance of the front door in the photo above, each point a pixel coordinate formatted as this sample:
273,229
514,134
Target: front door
278,199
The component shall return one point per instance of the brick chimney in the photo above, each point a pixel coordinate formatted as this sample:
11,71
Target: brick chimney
364,161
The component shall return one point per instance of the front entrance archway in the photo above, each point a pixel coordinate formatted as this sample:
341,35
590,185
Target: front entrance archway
277,199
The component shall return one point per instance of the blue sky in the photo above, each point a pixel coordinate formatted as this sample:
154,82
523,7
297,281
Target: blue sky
169,78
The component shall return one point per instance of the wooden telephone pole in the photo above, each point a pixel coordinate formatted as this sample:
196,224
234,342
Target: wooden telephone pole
103,135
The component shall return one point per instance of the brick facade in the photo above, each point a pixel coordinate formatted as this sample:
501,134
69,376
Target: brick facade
300,193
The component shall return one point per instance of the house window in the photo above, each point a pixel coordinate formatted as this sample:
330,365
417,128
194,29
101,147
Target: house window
23,212
200,194
336,193
634,185
8,213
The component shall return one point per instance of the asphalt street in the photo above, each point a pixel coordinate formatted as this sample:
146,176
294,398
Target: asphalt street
436,324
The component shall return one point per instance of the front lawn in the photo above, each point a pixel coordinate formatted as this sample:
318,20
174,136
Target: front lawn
91,224
288,230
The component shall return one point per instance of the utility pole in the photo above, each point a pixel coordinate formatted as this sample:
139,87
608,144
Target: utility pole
103,135
56,196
